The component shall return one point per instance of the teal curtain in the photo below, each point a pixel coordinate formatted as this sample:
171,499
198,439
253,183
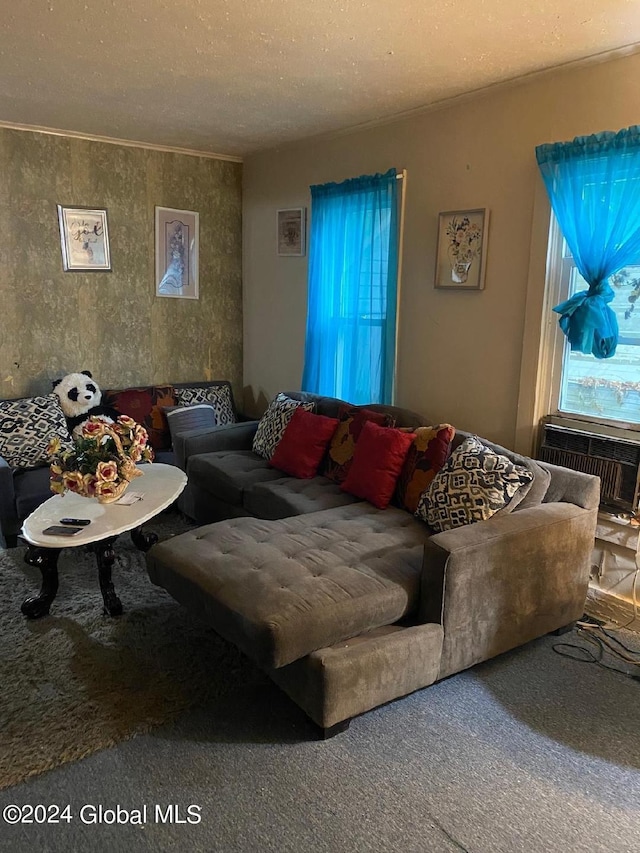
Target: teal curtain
593,183
352,289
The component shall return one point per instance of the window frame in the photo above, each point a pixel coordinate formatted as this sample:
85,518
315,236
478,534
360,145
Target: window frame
544,341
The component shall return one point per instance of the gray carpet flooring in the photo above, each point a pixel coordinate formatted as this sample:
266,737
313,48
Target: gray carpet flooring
529,752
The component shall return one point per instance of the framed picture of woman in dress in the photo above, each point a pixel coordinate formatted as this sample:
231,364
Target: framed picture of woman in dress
177,250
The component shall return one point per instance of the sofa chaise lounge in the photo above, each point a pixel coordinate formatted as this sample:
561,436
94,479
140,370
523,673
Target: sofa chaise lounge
347,606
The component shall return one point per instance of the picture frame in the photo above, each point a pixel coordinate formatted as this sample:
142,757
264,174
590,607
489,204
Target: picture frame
84,239
462,249
291,231
177,251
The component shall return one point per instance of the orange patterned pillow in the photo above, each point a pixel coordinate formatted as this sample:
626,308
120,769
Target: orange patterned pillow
428,453
343,444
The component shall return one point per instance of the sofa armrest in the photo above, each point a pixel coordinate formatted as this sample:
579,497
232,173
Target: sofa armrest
238,436
500,583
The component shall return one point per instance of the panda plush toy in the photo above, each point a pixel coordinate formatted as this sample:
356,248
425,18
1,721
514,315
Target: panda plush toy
80,399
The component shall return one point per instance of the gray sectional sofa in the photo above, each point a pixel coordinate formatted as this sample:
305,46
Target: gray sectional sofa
347,606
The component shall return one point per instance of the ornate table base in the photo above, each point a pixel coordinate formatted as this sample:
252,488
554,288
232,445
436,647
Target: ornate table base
46,559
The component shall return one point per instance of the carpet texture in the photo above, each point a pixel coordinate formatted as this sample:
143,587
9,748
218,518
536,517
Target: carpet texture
78,681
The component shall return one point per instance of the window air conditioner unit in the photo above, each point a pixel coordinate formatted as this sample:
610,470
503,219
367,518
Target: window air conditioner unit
615,460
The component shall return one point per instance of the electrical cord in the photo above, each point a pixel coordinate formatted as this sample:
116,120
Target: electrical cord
593,632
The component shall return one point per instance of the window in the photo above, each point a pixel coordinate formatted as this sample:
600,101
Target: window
585,387
352,294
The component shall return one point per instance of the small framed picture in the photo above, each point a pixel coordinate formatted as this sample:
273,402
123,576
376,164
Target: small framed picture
291,231
462,249
177,248
84,238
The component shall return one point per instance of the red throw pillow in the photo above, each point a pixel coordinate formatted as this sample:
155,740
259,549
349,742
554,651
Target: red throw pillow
343,443
377,461
303,444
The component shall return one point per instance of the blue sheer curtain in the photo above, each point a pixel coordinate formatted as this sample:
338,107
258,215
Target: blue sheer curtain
593,183
353,263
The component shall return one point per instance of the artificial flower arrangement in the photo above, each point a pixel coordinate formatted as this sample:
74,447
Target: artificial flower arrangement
102,460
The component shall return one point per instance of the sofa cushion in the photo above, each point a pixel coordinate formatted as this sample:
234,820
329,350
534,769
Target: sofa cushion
426,456
474,484
145,405
31,488
26,428
219,397
281,589
303,444
185,418
291,496
343,444
377,461
227,473
274,422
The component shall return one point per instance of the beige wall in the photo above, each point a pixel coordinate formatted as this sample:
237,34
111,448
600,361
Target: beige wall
459,356
56,322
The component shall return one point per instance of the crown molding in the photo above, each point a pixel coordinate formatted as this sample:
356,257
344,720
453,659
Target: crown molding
127,143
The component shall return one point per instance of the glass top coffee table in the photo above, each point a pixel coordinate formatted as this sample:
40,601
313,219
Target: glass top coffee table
160,486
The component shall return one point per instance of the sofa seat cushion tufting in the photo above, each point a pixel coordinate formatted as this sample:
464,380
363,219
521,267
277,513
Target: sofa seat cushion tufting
281,589
290,496
228,473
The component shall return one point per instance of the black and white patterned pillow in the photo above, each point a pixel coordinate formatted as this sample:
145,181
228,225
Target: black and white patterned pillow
26,428
218,396
473,484
274,422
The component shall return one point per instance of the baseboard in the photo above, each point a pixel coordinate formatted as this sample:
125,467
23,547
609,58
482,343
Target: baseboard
611,608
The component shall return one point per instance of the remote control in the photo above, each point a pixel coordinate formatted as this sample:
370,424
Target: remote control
76,522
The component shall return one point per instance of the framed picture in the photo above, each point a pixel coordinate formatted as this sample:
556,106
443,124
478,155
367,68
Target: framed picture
291,231
462,249
84,238
177,248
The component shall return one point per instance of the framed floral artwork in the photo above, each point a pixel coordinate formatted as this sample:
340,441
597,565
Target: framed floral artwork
462,249
84,239
177,253
291,231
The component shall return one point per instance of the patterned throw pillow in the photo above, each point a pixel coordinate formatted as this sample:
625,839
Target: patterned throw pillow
218,396
145,406
26,428
474,484
343,444
274,422
427,454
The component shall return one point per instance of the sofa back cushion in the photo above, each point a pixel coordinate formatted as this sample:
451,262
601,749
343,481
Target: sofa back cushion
26,428
343,444
377,461
145,405
427,454
218,396
303,444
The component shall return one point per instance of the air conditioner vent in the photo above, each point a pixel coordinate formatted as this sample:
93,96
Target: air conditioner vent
616,462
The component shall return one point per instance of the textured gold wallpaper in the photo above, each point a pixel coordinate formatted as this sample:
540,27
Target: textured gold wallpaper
111,323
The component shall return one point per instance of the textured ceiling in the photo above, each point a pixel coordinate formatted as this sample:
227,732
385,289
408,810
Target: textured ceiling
234,77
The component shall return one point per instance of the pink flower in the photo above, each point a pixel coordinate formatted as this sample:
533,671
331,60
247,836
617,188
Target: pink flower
95,428
73,481
107,471
106,489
